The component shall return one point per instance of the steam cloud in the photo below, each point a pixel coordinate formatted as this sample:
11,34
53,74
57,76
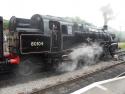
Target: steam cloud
107,13
83,55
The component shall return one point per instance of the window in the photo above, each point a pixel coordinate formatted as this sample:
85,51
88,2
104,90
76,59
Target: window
64,29
54,25
69,29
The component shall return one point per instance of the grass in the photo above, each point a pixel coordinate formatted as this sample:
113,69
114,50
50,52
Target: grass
121,45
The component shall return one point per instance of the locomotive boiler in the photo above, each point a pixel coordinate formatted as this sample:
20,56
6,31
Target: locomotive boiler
43,40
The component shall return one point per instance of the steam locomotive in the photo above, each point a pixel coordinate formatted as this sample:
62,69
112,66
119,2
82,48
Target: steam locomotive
44,40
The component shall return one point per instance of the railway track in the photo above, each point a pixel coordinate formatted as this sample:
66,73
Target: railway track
67,87
53,83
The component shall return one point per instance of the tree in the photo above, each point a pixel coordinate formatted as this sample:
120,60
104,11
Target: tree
5,24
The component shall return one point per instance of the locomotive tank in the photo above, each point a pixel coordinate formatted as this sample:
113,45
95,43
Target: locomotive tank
29,35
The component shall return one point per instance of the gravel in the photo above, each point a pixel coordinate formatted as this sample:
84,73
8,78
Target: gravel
38,84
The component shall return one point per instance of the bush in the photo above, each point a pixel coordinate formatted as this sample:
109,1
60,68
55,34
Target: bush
5,24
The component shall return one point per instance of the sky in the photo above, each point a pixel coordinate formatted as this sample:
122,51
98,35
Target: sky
88,10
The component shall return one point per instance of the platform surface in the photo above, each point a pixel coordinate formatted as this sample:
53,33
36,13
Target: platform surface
111,86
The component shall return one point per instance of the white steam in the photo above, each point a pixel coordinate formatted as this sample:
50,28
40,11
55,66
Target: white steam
122,57
81,56
120,36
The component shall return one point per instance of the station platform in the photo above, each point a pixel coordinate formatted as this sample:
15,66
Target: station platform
111,86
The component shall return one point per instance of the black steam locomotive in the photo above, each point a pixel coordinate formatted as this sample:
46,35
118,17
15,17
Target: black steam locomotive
44,40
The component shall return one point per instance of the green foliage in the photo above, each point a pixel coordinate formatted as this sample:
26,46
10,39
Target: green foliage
5,24
121,45
80,21
76,19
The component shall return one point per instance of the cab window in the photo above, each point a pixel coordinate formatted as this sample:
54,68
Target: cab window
69,29
64,29
54,25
